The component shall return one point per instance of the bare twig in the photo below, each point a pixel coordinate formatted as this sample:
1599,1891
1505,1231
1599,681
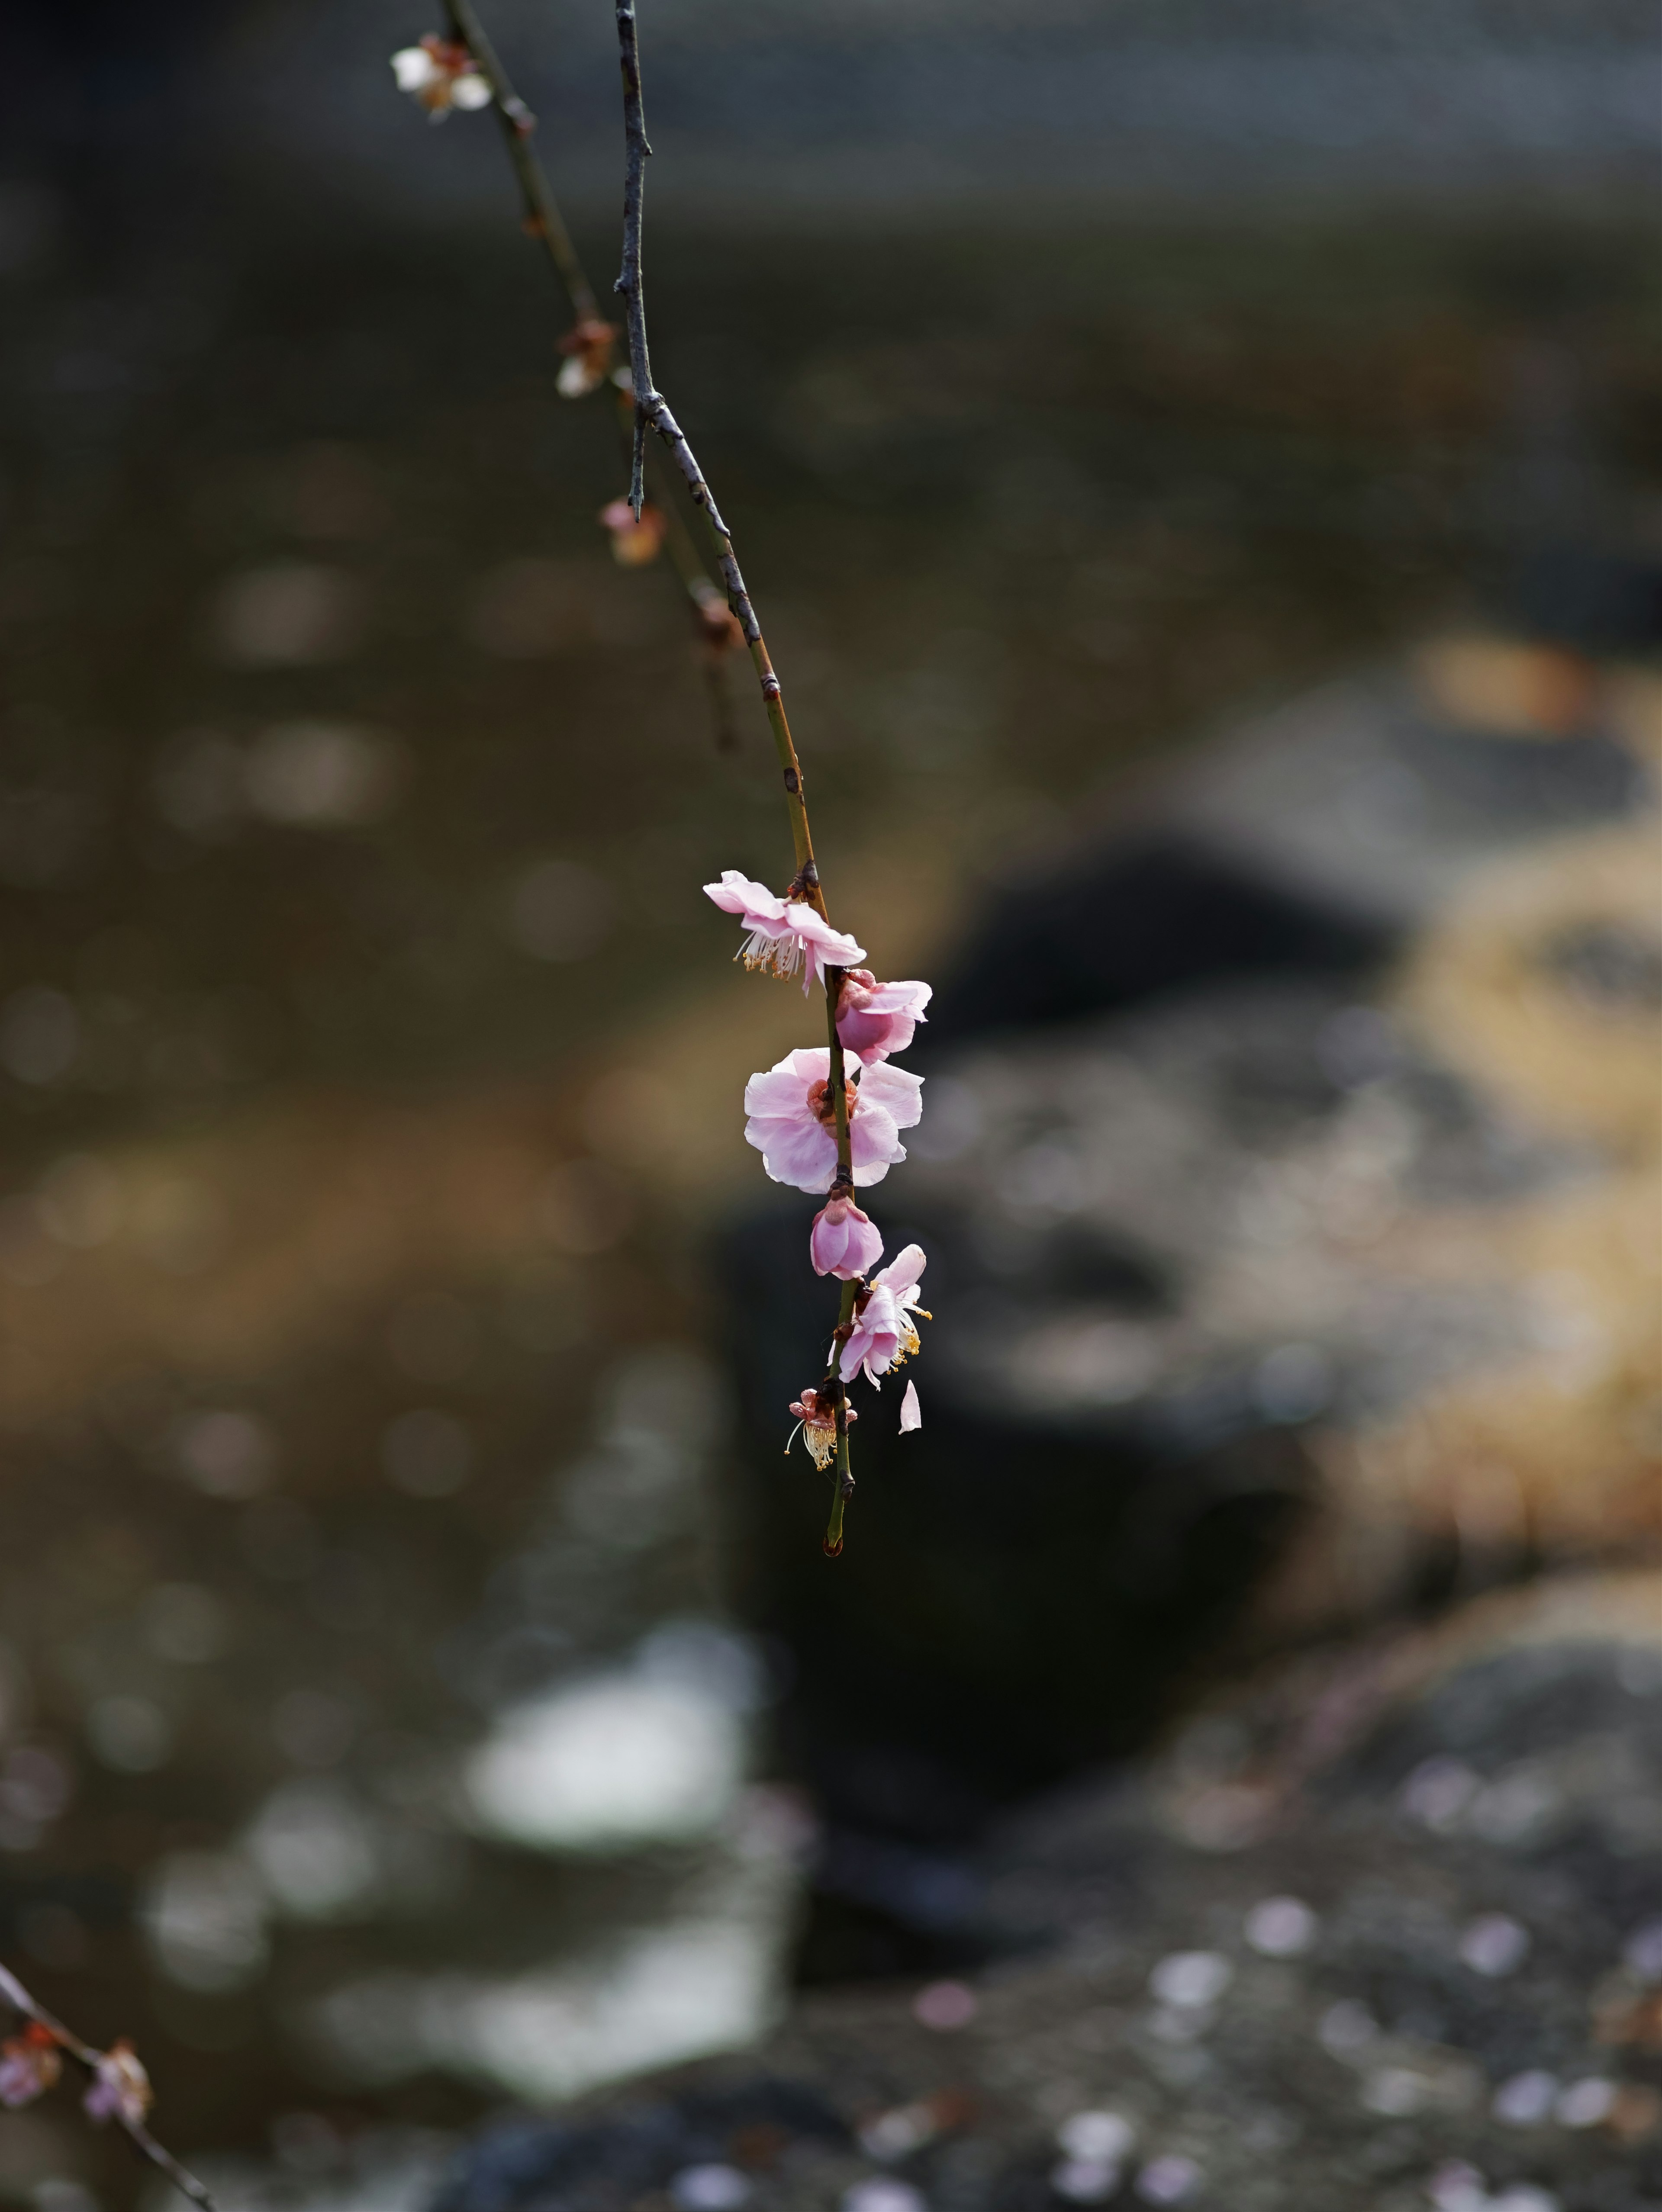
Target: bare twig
86,2055
652,411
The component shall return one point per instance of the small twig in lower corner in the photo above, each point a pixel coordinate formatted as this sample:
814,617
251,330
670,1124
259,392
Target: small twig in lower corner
119,2090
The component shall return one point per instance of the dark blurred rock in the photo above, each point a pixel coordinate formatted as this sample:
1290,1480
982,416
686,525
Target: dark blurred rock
1382,1930
596,2165
1180,1170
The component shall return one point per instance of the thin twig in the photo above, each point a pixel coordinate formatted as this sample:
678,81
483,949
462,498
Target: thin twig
652,411
630,282
85,2054
543,218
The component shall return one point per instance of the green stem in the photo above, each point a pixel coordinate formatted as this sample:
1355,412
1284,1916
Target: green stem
843,1479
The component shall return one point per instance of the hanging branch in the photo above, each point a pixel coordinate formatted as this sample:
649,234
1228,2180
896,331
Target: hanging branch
653,412
866,1021
120,2090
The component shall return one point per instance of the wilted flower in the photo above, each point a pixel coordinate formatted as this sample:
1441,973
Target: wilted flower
29,2064
874,1019
843,1241
818,1422
588,350
911,1413
440,74
784,934
792,1119
634,544
121,2088
884,1332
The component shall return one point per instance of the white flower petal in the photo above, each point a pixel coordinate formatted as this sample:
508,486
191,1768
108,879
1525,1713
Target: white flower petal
414,69
736,893
911,1413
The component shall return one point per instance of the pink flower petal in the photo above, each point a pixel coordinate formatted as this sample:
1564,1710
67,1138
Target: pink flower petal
892,1088
903,1272
874,1145
736,893
911,1413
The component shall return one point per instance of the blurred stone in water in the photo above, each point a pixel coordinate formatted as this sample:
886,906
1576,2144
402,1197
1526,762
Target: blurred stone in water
1588,2103
705,1978
434,1338
293,614
225,1453
561,910
945,2006
36,1786
1438,1791
712,2188
54,1934
316,1850
322,775
620,1760
1191,1978
426,1453
131,1735
530,610
27,1255
312,1728
1642,1952
1495,1945
278,1538
184,1623
82,1201
1526,2100
179,1223
1281,1927
204,1915
583,1207
40,1035
200,785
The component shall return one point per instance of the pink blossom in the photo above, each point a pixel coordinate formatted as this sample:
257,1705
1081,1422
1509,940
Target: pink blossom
884,1332
29,2064
121,2088
911,1413
843,1241
793,1119
784,934
818,1422
874,1019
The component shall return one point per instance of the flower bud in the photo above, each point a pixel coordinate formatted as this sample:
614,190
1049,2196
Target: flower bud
874,1019
843,1241
120,2088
